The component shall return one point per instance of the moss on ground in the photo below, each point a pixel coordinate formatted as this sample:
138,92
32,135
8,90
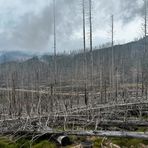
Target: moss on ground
142,129
129,142
4,143
122,142
44,144
97,142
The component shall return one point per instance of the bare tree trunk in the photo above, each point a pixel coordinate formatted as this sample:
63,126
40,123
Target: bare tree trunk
85,60
91,46
112,55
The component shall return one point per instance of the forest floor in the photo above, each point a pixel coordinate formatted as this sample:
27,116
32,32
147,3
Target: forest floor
77,143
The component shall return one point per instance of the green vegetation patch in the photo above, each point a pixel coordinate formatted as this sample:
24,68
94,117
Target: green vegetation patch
97,142
23,143
44,144
128,142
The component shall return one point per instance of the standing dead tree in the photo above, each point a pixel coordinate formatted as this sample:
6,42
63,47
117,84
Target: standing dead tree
112,54
91,46
144,60
54,81
55,52
13,95
85,59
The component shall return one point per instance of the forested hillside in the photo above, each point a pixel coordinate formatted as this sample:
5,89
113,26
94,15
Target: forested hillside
128,68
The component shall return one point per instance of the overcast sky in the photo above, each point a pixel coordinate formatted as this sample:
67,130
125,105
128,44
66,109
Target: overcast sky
27,25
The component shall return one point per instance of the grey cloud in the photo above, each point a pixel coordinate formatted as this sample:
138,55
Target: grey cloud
35,31
130,10
124,10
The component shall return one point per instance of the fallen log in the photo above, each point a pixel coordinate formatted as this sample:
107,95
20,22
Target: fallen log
60,135
57,137
120,134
